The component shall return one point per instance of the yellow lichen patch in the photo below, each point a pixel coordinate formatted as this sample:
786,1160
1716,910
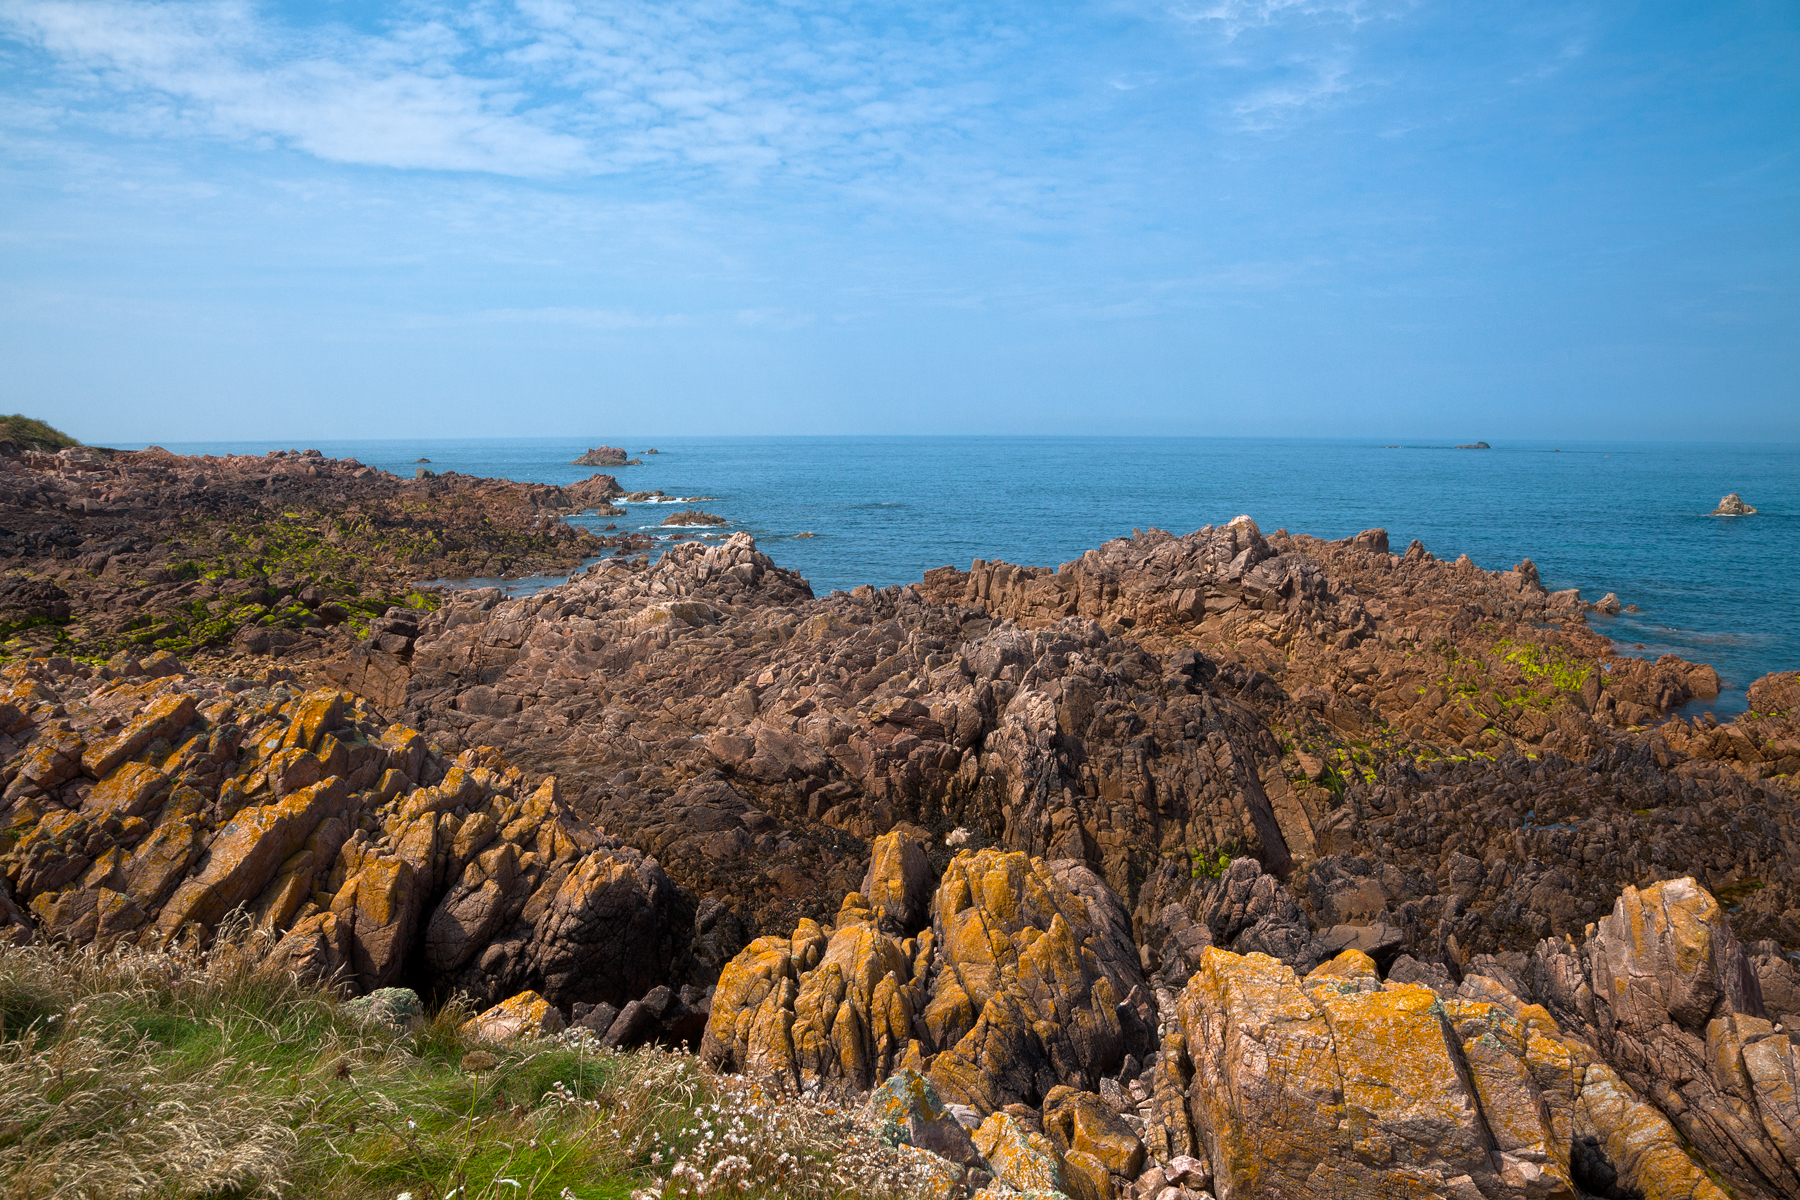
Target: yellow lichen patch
1018,1157
1517,1117
522,1016
312,715
1639,1141
1266,1091
127,791
1351,971
744,985
1398,1072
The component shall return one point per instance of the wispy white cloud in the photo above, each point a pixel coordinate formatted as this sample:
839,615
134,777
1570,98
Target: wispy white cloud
389,101
1233,17
1291,57
533,88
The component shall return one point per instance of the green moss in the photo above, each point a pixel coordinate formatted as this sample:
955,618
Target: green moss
1736,893
1545,664
1208,864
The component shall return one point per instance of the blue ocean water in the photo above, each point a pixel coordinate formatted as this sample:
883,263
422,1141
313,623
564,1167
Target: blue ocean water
1631,518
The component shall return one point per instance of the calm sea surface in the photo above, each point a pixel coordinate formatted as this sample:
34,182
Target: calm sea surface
1630,518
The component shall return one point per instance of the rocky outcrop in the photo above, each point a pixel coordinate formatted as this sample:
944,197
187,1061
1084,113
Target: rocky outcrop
291,554
601,456
999,828
154,807
1732,505
1633,1063
1018,987
1338,1083
692,516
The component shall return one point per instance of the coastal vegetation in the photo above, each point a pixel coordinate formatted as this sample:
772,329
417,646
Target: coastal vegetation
187,1073
33,434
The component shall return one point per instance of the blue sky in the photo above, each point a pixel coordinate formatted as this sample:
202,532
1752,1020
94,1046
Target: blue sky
549,217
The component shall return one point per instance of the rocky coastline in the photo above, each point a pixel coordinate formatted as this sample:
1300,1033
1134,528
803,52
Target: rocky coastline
1228,863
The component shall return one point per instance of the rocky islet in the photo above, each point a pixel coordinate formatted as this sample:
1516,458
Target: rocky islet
1249,864
1732,505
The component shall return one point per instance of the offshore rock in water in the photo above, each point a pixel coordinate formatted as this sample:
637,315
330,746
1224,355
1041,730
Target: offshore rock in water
601,456
693,516
1732,505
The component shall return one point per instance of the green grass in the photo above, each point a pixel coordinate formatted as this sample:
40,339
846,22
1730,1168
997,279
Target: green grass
152,1074
34,434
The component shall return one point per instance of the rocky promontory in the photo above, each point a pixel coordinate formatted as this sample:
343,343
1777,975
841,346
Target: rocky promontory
1221,864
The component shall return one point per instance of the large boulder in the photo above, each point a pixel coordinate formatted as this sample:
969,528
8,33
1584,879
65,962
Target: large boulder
601,456
1678,1011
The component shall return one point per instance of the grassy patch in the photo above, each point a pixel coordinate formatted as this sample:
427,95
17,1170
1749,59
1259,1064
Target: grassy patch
34,434
176,1074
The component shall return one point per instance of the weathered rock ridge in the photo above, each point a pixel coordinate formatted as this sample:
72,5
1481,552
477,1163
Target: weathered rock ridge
1406,744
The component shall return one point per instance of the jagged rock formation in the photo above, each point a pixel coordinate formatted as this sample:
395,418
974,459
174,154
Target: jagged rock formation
1591,1074
1155,707
153,806
1026,980
1217,796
